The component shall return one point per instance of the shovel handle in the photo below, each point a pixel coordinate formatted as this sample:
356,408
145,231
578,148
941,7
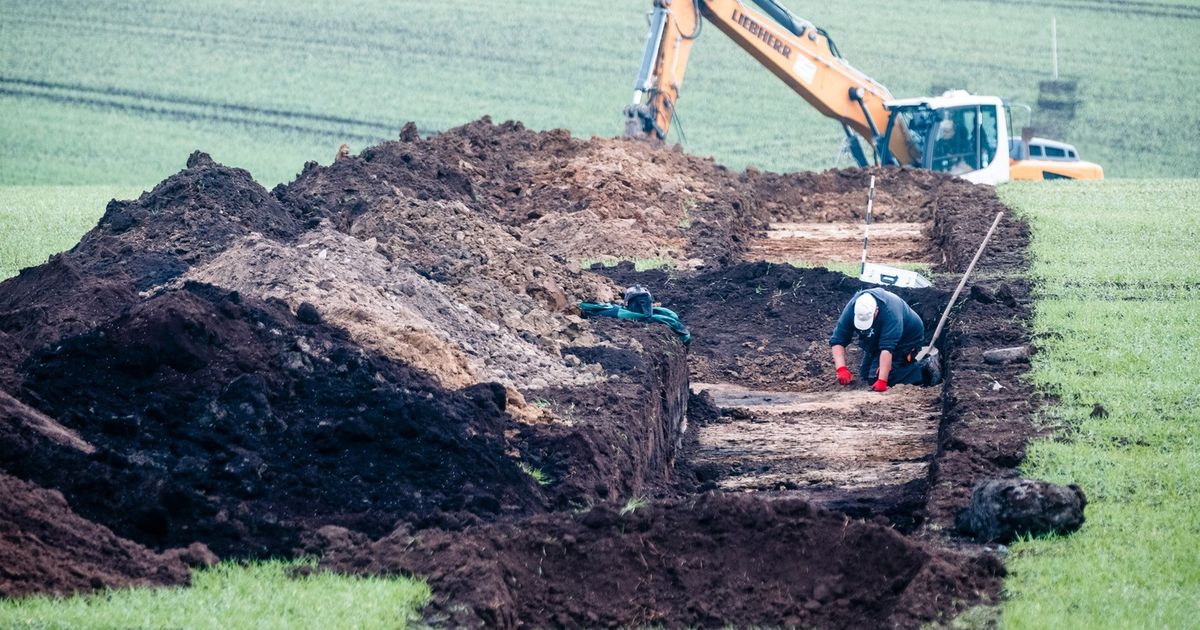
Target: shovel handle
961,283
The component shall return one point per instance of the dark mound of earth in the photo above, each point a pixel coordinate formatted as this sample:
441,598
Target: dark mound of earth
137,245
714,561
223,419
45,547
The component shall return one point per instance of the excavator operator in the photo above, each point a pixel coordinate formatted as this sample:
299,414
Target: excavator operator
954,150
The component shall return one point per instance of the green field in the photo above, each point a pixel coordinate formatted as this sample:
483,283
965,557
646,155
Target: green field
1116,321
231,596
98,93
37,221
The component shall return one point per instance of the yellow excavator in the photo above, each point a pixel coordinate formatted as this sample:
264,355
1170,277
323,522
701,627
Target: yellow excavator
963,134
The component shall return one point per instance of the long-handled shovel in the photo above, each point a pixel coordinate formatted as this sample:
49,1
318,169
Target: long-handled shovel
883,274
961,283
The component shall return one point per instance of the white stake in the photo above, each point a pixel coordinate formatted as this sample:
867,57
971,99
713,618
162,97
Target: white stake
867,225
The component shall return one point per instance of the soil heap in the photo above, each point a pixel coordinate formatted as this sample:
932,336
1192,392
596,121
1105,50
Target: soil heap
388,349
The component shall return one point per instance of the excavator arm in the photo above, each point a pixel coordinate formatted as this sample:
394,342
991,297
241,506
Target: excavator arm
793,49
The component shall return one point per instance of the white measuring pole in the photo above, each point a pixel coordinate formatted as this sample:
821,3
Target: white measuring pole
867,224
1054,43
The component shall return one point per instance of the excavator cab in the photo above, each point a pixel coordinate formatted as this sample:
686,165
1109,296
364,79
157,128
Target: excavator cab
956,133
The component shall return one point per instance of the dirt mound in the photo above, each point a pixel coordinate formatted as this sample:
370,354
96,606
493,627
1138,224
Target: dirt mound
47,548
59,298
185,220
223,419
387,306
716,561
841,195
521,290
217,415
393,339
573,199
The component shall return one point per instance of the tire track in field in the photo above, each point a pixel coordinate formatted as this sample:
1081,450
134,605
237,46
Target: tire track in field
184,115
376,45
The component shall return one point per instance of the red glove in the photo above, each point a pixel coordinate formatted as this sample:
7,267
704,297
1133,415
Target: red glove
844,376
880,386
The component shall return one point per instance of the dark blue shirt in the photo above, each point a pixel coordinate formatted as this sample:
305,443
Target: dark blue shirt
896,325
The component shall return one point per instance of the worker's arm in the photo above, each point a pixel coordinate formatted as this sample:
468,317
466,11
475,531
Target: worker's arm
793,49
842,334
885,365
839,356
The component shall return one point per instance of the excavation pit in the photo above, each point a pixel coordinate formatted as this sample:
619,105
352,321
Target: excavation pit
451,412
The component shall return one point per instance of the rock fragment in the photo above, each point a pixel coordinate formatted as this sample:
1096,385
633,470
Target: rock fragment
1003,356
1002,509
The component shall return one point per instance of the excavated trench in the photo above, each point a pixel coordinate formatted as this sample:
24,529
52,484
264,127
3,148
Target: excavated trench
381,363
849,449
788,432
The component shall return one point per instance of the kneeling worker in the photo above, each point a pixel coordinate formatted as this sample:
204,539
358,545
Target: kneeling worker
890,333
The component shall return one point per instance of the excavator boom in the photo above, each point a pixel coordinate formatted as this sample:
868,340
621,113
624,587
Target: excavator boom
793,49
957,132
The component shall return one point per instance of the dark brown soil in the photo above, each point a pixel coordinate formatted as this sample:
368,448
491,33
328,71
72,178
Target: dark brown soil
174,411
138,245
225,420
762,324
620,439
714,561
900,194
987,409
45,547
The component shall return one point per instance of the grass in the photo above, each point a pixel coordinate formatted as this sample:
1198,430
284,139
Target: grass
1116,319
854,269
537,474
230,596
634,504
641,264
89,98
36,221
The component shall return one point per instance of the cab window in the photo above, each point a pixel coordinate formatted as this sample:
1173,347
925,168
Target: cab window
989,135
1035,150
964,139
1055,152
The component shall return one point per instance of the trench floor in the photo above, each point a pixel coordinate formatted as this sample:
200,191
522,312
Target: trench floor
853,439
814,243
831,444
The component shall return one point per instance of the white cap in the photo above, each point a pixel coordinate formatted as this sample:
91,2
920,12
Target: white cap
864,311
